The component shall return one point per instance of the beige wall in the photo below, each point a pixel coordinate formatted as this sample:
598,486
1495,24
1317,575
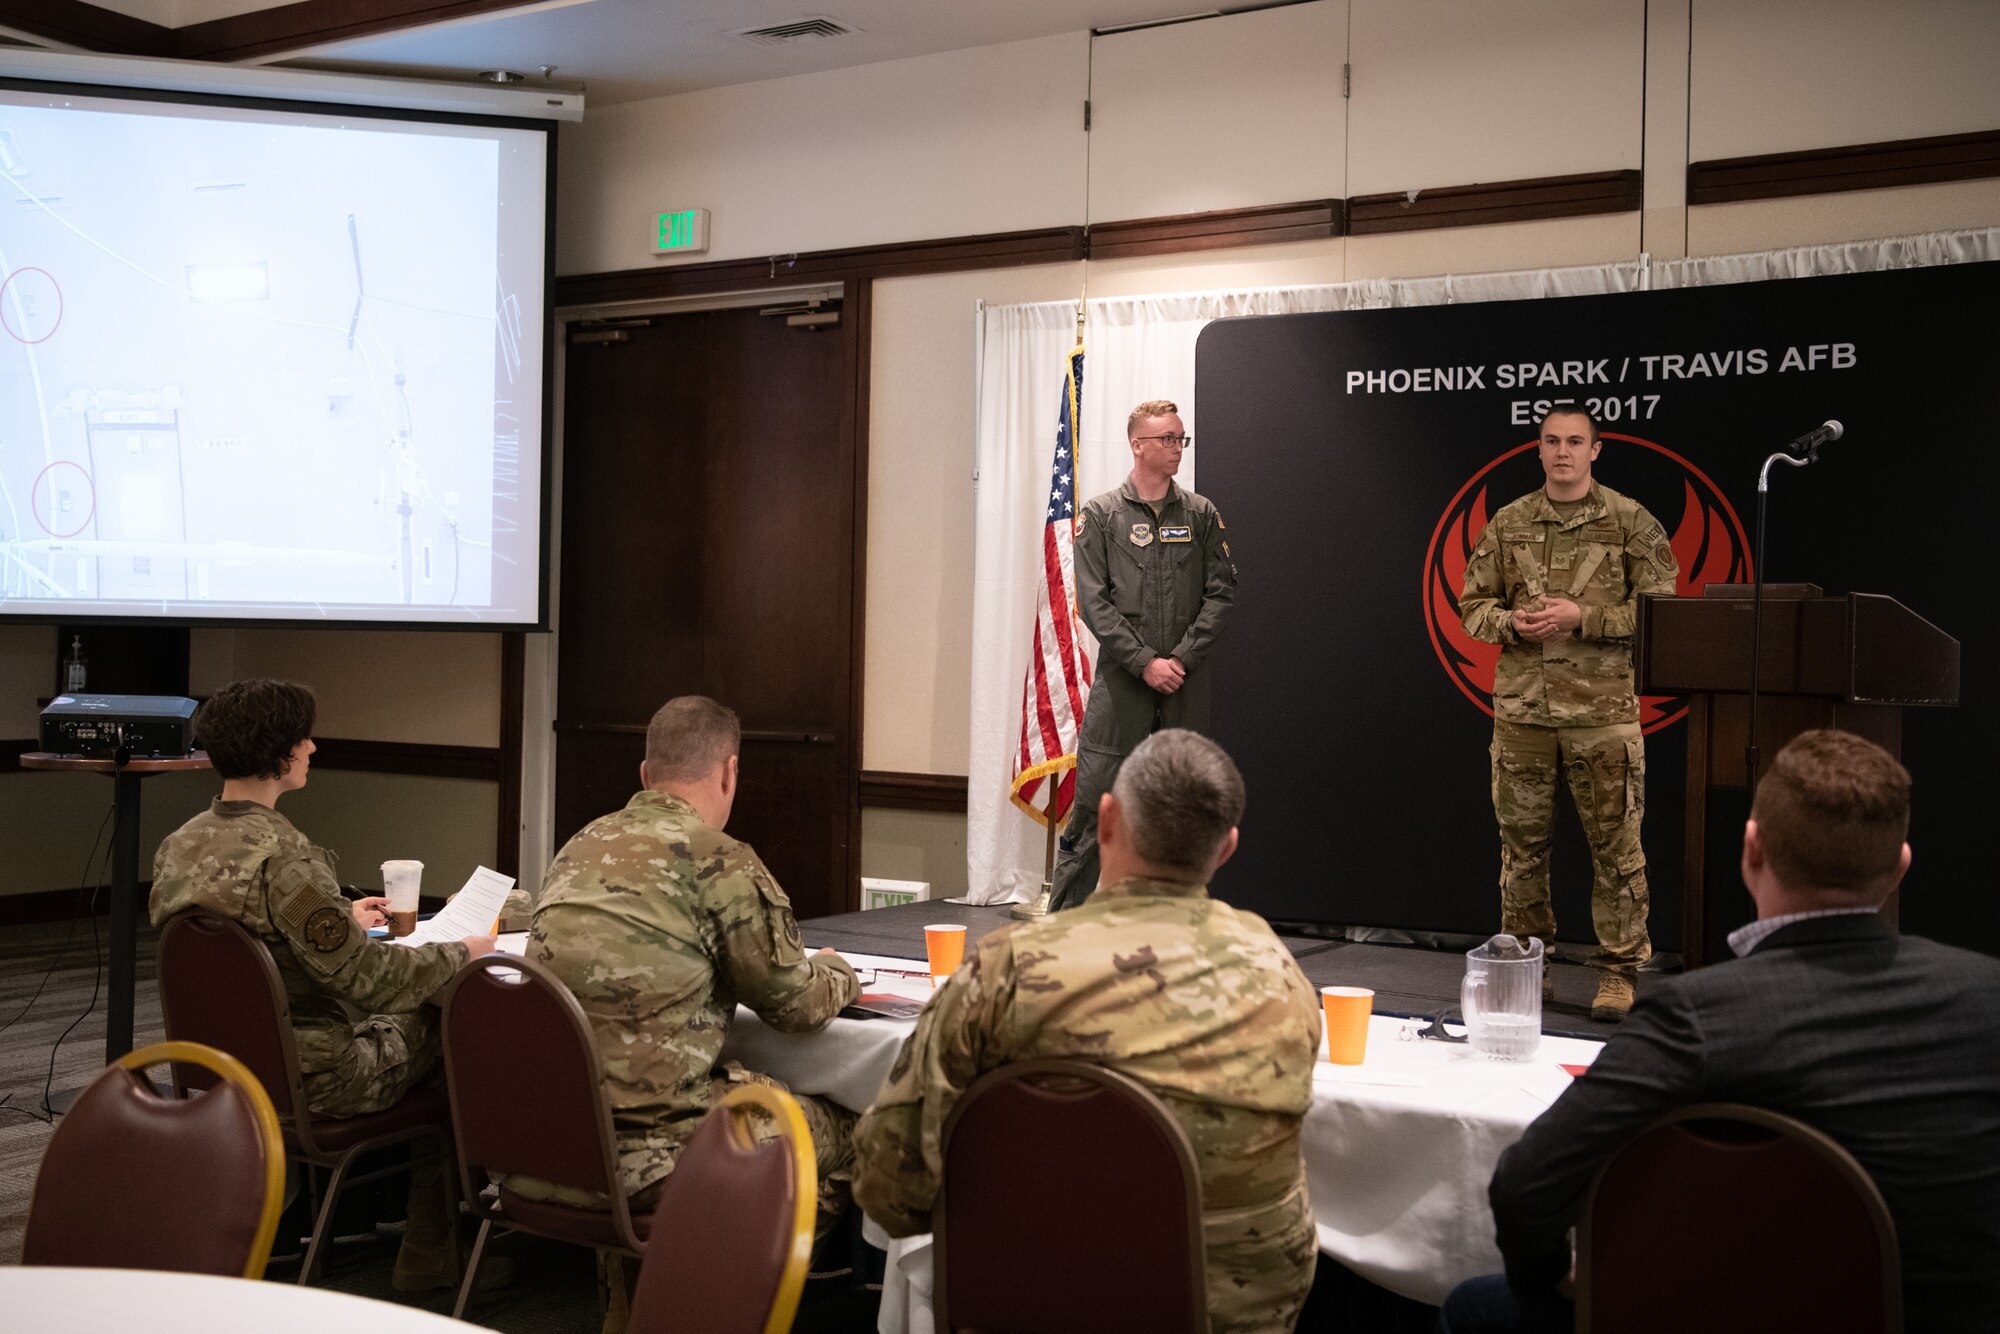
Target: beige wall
1782,75
433,688
915,845
436,688
1165,98
1449,93
950,145
448,824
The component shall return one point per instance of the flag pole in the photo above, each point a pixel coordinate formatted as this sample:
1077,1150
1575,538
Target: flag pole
1031,912
1041,906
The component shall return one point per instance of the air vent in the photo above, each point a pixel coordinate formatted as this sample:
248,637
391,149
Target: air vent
799,30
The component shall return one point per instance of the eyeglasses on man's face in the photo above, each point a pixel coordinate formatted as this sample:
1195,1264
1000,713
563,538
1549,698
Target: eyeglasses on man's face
1170,441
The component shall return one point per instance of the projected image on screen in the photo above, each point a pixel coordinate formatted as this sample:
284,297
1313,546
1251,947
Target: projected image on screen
258,364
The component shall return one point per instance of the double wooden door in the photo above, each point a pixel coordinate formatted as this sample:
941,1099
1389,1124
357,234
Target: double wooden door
710,480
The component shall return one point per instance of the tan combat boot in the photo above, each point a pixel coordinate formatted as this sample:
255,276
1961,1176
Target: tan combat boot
1614,997
427,1259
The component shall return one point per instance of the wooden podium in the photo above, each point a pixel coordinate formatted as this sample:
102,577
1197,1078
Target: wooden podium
1853,662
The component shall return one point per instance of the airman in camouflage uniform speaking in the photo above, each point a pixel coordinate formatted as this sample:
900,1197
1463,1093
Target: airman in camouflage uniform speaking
242,860
1155,583
660,923
1152,978
1555,581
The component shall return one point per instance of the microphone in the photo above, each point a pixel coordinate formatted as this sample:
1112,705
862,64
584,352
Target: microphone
1824,434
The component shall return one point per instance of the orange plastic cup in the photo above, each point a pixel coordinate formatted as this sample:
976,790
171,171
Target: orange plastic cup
945,943
1347,1011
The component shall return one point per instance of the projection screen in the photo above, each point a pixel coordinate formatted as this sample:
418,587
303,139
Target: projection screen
265,361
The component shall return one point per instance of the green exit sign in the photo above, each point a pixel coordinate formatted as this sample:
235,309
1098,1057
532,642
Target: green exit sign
681,232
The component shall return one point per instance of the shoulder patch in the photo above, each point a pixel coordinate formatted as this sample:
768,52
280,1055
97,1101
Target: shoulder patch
327,928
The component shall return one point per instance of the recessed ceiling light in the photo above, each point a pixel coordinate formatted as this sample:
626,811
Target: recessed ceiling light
503,76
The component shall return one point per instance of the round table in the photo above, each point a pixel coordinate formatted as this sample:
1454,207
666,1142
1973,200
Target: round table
118,1301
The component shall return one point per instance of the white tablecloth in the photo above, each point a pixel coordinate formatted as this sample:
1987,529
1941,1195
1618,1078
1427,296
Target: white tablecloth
1398,1149
849,1059
120,1301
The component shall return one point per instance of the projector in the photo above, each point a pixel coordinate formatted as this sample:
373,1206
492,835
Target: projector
99,726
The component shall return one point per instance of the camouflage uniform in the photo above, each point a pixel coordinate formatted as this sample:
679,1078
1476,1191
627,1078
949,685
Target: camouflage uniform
1569,702
246,862
1152,580
659,925
1196,1000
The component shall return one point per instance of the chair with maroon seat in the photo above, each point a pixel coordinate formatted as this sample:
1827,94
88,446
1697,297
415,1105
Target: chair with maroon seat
210,1173
1070,1199
220,986
733,1235
1719,1216
527,1099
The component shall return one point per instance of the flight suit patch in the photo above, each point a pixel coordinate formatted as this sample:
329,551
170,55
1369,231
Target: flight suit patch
1142,534
1176,533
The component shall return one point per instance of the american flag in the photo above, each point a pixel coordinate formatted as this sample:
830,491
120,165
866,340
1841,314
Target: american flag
1058,677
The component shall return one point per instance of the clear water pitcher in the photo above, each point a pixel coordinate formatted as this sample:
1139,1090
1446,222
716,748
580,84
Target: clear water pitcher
1502,998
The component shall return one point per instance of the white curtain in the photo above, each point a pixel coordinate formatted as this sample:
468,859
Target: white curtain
1816,261
1143,347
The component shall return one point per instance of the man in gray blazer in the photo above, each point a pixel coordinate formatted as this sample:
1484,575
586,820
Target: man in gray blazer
1888,1043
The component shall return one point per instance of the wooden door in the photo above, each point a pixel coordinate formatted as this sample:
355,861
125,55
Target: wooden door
709,546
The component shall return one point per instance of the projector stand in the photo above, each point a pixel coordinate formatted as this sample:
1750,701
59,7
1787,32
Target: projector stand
124,885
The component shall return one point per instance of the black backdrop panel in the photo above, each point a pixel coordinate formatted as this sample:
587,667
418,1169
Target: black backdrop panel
1357,455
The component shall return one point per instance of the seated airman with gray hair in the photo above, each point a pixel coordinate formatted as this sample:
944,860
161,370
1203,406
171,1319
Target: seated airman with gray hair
1220,1023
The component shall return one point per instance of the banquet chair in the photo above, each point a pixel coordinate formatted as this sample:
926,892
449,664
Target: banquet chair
220,986
1723,1217
1069,1200
527,1099
733,1234
132,1180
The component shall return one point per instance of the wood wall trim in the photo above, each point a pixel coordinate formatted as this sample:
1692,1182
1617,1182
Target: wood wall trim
378,757
1943,157
884,789
90,27
513,700
1309,221
265,32
861,350
1534,200
314,22
405,757
1312,219
998,250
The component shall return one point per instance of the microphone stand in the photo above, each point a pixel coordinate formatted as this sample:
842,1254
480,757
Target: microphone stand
1750,756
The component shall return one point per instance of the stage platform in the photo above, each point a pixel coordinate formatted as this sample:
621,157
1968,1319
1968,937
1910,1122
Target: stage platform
1406,979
